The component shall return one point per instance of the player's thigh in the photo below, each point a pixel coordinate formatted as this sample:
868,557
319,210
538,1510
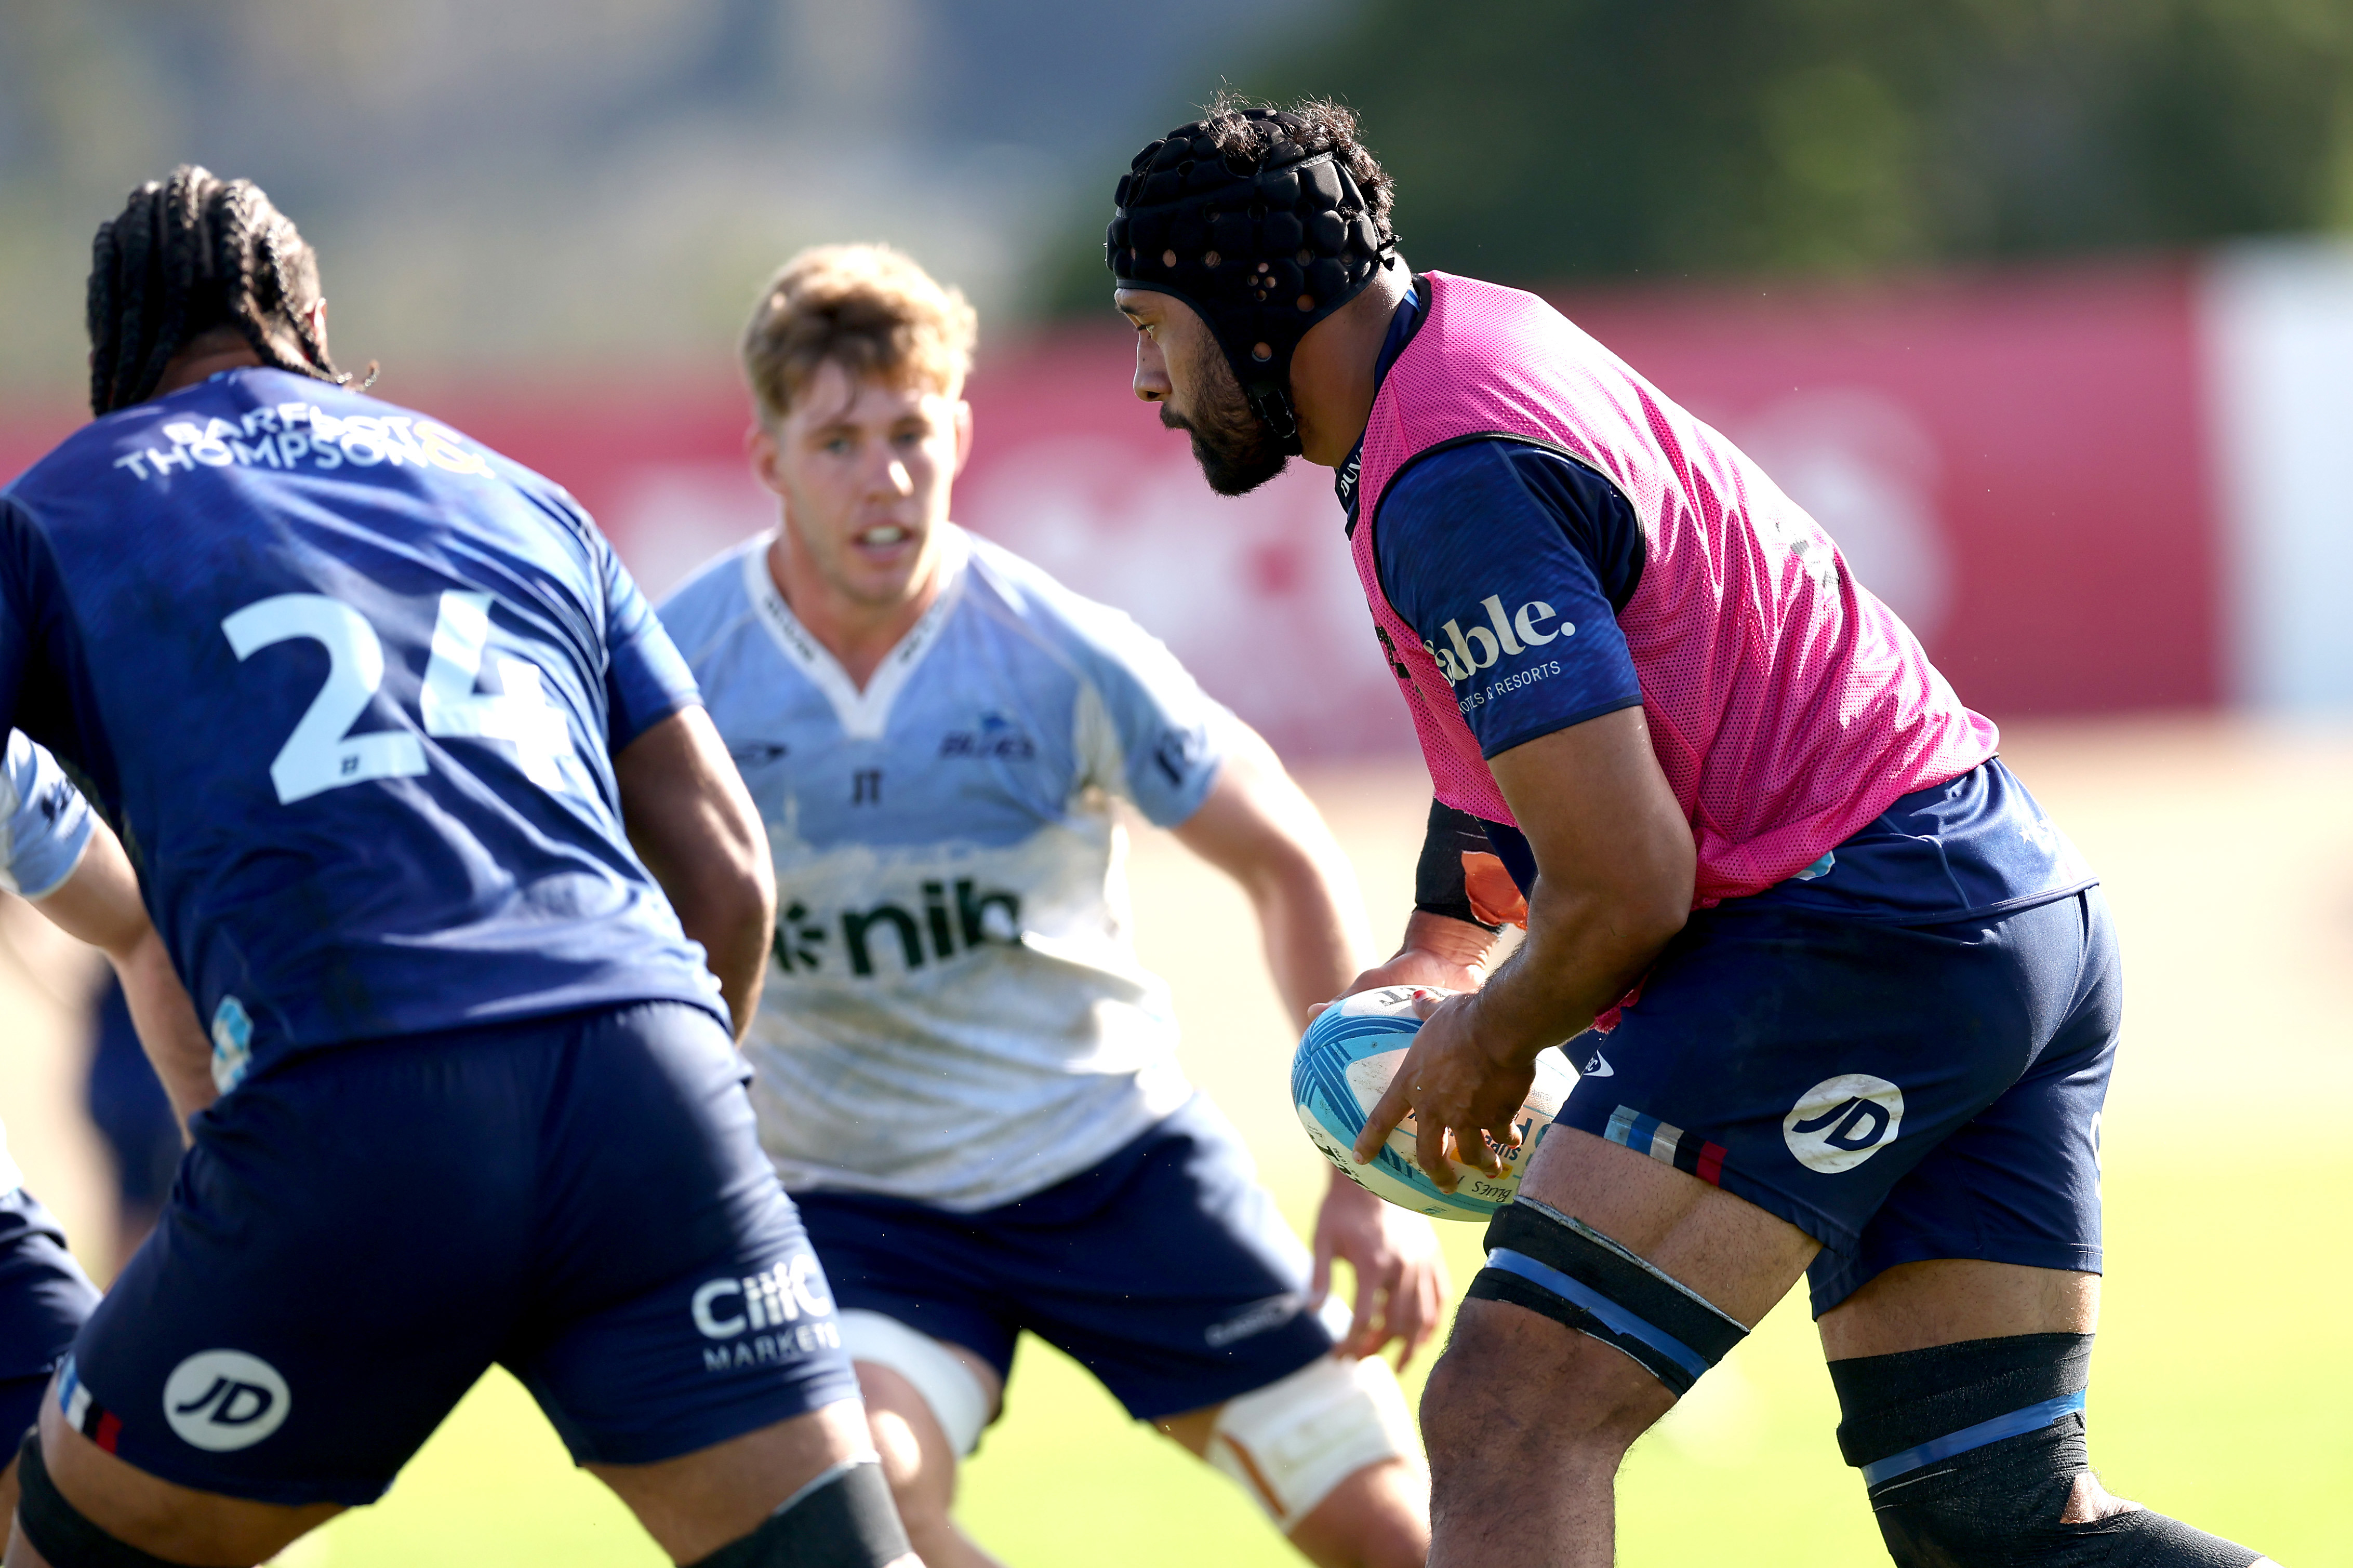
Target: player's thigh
1167,1272
1945,1300
1739,1257
176,1523
344,1250
1510,1367
1996,1230
700,1370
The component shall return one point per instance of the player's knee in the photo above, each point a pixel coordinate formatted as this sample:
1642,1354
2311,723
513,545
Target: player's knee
920,1494
1638,1339
844,1518
1975,1453
1293,1443
1504,1371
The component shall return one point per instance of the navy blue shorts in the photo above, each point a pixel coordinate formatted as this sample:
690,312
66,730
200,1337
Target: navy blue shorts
359,1232
45,1298
1898,1093
1165,1270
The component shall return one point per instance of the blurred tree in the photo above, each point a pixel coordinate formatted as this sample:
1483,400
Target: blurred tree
1545,139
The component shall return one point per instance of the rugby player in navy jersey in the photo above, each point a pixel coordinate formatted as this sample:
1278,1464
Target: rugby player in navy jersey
407,768
1865,994
966,1078
56,854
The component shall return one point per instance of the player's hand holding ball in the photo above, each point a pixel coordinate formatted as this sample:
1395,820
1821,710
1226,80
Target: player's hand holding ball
1465,1100
1363,1068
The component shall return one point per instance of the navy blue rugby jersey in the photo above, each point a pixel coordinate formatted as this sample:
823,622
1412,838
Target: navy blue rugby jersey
1513,559
349,684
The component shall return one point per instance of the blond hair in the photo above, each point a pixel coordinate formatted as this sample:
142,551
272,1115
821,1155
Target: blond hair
867,308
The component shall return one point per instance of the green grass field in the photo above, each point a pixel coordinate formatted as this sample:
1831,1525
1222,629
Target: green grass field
2221,1386
2215,1397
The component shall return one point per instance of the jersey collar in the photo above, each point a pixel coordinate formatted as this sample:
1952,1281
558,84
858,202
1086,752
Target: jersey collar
864,715
1403,323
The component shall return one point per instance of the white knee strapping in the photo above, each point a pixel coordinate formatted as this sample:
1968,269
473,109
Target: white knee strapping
958,1402
1290,1443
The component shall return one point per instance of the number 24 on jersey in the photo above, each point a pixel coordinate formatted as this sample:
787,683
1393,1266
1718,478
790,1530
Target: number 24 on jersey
322,755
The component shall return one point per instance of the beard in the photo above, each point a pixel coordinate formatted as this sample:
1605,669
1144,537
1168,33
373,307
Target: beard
1237,450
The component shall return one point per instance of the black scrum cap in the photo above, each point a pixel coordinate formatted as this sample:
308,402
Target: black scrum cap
1263,248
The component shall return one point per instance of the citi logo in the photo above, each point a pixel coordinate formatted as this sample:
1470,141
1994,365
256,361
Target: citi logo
939,933
765,1318
1468,652
725,1308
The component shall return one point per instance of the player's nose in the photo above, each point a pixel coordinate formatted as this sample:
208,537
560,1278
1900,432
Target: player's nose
1151,371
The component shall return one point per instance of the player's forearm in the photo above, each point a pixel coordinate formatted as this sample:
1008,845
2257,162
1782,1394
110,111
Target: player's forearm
692,822
731,917
1585,950
167,1024
1313,946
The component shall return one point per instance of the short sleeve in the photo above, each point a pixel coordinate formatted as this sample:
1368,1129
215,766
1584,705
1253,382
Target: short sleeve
1147,731
1499,569
44,824
646,677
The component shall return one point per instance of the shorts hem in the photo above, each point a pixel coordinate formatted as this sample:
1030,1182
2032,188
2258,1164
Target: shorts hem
282,1492
1218,1390
713,1428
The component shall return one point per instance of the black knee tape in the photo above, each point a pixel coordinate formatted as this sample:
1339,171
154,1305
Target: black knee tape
58,1530
845,1519
1542,1260
1970,1453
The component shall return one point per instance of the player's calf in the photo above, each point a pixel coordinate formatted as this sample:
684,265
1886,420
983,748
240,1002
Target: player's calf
926,1404
1975,1453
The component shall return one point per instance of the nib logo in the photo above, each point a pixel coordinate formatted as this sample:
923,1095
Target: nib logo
938,931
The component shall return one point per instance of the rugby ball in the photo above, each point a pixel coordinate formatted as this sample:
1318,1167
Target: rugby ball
1343,1065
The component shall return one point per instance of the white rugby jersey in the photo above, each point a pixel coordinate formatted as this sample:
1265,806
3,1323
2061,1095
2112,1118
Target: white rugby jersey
953,1013
44,827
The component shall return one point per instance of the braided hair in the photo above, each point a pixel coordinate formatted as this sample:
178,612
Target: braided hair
188,254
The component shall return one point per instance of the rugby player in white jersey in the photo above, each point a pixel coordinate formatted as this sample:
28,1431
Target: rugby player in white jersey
965,1079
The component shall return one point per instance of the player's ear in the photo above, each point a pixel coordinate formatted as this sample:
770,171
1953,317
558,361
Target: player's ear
760,446
963,434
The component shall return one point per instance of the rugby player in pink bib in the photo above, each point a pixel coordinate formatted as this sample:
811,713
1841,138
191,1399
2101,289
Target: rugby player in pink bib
1844,1001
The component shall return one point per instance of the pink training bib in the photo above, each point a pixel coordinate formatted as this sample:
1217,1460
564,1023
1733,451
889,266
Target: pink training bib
1787,706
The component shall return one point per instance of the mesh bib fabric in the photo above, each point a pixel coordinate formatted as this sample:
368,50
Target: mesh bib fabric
1787,706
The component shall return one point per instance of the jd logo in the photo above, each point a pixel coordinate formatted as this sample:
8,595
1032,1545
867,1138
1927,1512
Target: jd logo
221,1400
1841,1122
